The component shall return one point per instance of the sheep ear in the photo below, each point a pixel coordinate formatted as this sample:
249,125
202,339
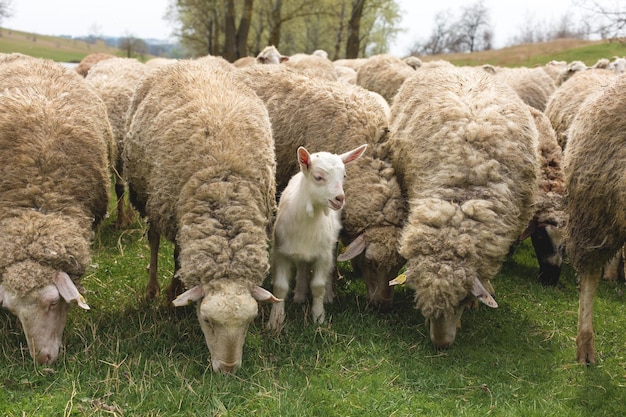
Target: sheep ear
68,290
261,294
304,158
193,294
284,58
479,291
353,154
355,248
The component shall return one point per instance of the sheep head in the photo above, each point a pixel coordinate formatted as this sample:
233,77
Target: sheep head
42,312
225,311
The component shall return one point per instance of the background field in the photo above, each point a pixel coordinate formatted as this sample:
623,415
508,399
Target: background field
129,357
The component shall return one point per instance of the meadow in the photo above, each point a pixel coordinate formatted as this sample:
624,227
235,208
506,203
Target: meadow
131,357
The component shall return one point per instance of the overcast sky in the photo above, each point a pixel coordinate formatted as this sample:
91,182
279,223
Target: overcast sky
145,18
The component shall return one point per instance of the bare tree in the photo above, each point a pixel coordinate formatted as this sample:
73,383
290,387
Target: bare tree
472,27
608,19
132,46
5,9
354,25
438,40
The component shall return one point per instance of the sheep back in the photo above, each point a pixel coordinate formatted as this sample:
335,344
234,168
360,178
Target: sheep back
54,152
594,179
465,151
199,159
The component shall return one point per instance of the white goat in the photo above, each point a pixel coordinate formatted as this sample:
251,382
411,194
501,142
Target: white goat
306,231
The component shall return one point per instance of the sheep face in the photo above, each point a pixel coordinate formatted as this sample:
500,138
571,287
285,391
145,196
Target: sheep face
224,319
42,313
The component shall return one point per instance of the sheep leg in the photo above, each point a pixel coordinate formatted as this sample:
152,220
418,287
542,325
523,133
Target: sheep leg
303,276
153,289
585,351
176,286
280,284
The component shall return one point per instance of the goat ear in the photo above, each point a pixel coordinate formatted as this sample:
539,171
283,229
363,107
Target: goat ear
355,248
261,294
193,294
353,154
304,157
67,289
479,291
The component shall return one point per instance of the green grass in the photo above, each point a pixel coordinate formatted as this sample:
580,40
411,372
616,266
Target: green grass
129,357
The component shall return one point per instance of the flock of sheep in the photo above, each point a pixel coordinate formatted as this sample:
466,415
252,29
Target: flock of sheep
256,170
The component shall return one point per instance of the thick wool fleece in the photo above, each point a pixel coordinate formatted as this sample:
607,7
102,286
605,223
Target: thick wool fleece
567,98
465,151
383,74
595,202
199,158
54,149
533,85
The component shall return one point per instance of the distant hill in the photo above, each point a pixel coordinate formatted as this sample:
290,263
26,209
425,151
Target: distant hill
65,49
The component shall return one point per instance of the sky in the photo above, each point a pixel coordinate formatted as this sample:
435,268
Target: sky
145,18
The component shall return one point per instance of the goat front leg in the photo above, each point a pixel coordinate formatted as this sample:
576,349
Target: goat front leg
585,351
303,277
321,274
280,289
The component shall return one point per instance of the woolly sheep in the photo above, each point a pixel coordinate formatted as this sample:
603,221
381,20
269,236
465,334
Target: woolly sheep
345,74
568,97
90,60
383,74
115,80
199,158
314,66
54,161
571,69
307,228
618,65
270,55
596,197
353,63
533,85
244,61
336,117
546,227
413,62
465,151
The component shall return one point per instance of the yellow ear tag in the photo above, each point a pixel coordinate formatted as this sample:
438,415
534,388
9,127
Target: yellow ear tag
82,299
399,280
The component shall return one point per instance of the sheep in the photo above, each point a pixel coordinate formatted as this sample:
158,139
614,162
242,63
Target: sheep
55,143
306,231
413,61
270,55
115,80
464,147
158,61
353,63
345,74
383,74
216,61
595,198
335,117
568,97
199,160
546,227
90,60
244,61
533,85
618,65
571,69
315,66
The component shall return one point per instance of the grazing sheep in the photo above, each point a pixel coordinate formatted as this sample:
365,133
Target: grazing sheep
336,117
383,74
90,60
571,69
568,97
546,227
595,198
245,61
54,163
306,231
270,55
413,62
533,85
464,148
199,159
115,80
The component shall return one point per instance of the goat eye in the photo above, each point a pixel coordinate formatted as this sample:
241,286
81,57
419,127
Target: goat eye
318,178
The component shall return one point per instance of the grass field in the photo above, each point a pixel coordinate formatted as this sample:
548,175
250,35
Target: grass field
129,357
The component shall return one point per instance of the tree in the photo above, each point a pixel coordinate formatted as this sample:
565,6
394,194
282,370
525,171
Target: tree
472,27
5,9
607,18
132,46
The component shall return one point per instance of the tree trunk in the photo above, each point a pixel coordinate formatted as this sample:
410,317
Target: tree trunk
339,37
244,29
230,34
352,45
275,22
